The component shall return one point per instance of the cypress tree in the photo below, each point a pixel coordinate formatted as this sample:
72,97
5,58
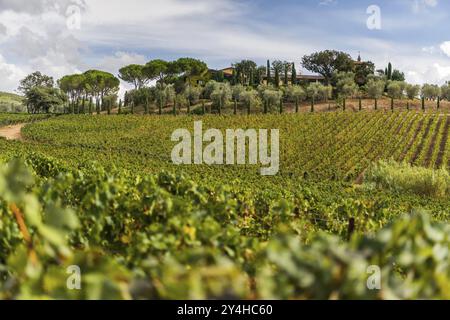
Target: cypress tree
281,105
234,78
277,78
438,103
389,71
120,106
268,72
294,75
286,76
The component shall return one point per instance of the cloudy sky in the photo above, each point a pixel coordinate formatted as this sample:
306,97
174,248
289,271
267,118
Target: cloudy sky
59,37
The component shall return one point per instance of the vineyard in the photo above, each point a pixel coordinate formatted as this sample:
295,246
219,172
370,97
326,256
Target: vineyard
101,193
330,146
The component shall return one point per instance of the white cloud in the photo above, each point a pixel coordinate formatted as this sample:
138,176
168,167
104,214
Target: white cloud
429,50
35,36
436,74
419,5
327,2
445,48
120,59
10,75
38,6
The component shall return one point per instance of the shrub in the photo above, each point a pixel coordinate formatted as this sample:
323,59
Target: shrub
403,177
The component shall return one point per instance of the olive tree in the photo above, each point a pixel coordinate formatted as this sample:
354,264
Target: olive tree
431,91
396,89
445,91
271,98
236,92
295,94
375,88
412,91
317,91
164,95
192,94
221,95
249,98
209,88
346,86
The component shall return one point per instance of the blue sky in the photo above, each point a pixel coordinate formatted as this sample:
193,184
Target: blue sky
42,34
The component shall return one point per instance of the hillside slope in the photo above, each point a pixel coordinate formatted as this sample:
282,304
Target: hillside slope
10,102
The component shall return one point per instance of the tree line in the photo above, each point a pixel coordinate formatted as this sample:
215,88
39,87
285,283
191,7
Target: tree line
185,82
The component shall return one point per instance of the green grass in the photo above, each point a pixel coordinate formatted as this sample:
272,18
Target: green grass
402,177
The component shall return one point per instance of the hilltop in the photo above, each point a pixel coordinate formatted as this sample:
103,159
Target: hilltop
11,102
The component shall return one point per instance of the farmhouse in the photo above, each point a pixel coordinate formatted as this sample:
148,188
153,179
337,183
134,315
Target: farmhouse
301,78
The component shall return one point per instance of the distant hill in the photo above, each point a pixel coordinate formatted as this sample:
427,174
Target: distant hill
10,102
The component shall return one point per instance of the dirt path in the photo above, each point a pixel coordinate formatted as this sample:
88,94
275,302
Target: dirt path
12,132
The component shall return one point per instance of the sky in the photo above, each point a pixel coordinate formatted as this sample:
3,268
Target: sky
59,37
